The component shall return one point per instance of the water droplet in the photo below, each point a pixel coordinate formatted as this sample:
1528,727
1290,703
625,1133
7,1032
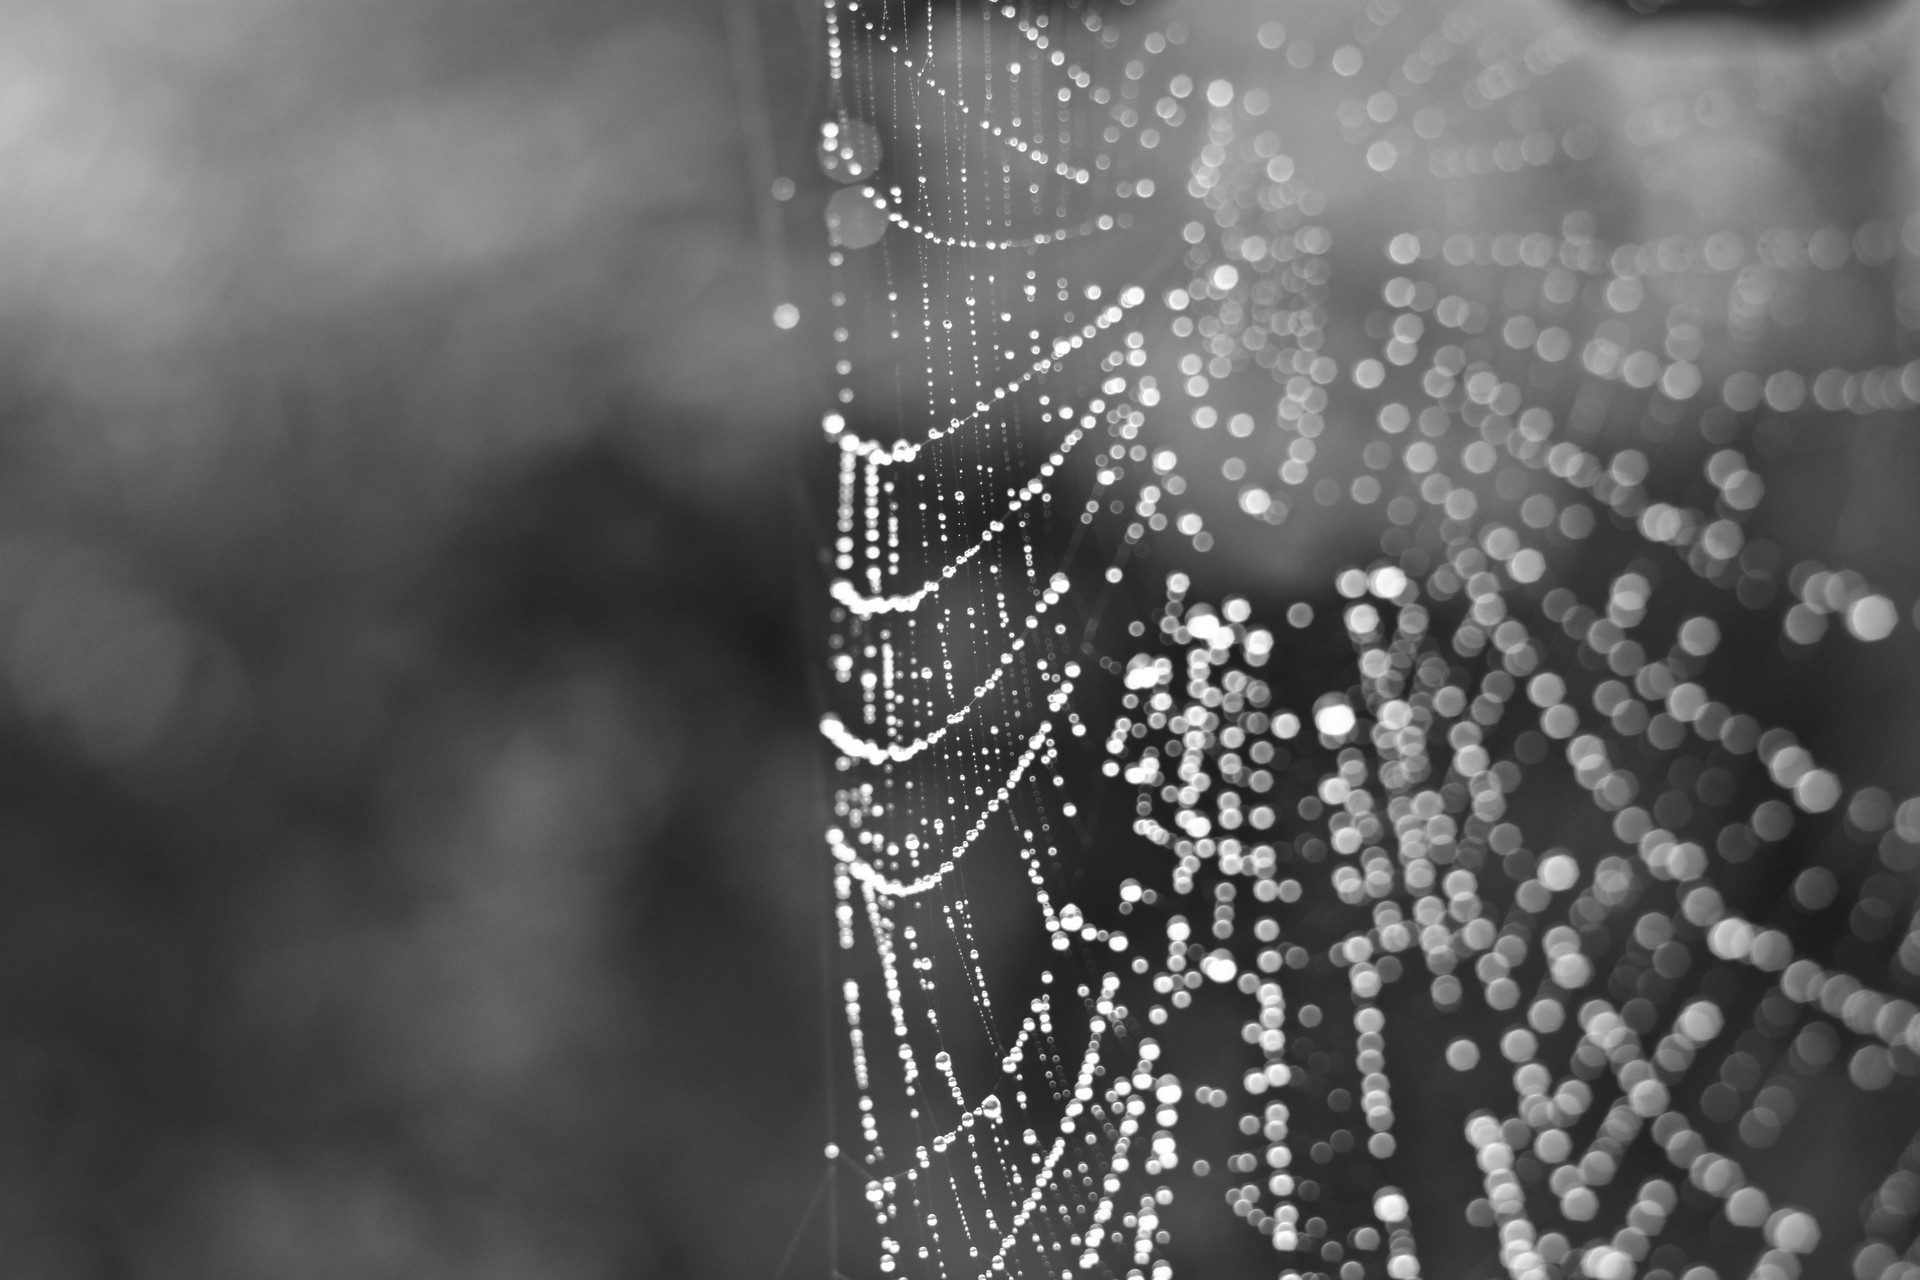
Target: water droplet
1219,966
1872,617
849,151
856,217
1333,717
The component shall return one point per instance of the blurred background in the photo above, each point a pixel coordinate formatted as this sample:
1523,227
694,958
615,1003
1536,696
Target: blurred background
409,795
409,781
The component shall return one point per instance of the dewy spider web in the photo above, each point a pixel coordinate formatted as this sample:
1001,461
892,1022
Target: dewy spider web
1464,915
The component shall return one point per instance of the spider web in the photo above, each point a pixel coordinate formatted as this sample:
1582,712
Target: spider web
1456,899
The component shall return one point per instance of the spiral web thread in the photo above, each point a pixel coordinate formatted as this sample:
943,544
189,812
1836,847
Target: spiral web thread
1461,925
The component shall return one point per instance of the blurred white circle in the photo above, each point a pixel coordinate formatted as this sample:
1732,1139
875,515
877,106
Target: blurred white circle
1872,618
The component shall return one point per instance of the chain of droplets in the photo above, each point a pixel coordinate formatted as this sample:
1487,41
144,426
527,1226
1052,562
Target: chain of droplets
1225,716
1711,547
1570,268
1605,1034
946,642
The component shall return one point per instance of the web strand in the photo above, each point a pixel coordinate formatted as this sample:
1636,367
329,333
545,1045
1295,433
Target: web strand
1454,898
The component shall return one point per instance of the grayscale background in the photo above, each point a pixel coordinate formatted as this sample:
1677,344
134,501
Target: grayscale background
409,794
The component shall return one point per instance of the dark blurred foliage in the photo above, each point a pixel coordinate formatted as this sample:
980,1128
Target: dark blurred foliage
410,793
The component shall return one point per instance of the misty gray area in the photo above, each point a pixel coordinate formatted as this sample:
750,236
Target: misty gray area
409,787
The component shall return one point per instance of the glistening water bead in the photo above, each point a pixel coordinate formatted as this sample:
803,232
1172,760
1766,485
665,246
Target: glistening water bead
856,217
1470,847
849,150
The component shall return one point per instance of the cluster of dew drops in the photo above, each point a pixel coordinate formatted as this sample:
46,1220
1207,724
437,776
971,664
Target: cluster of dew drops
1389,797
